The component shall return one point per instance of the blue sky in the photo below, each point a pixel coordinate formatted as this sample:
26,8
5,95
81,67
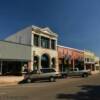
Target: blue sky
76,21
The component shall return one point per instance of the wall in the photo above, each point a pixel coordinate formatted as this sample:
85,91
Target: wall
23,36
14,51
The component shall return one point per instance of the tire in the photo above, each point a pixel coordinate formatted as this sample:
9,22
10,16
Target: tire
52,79
85,75
64,76
29,80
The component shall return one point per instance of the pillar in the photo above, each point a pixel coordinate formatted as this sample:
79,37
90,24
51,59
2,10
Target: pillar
39,63
1,67
84,66
50,43
29,65
73,63
39,40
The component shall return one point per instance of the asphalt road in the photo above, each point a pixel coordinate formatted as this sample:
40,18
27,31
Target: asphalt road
62,89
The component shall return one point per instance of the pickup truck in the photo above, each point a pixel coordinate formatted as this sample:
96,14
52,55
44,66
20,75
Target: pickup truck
75,72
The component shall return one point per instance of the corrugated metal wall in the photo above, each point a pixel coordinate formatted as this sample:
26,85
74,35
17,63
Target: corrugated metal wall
14,51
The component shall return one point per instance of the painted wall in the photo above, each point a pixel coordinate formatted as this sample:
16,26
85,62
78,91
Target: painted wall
23,36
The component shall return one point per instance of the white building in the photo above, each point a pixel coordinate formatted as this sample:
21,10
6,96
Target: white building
43,43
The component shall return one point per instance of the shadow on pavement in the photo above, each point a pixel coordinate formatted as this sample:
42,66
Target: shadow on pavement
41,81
88,92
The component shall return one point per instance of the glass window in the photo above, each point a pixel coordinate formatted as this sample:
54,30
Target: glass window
53,45
36,40
52,70
45,70
44,42
87,59
33,72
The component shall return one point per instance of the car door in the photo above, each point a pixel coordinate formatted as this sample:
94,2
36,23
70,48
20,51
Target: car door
43,73
70,72
34,75
76,72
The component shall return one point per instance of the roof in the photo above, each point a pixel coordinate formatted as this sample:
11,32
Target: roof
70,48
45,30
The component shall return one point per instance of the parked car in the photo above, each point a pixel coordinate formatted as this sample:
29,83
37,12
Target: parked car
75,72
42,74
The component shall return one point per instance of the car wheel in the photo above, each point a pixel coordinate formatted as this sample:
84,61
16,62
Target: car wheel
29,80
64,76
85,75
52,79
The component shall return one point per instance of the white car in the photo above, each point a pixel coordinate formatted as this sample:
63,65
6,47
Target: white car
42,74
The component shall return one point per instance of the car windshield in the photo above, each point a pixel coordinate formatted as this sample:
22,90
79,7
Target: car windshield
47,70
33,72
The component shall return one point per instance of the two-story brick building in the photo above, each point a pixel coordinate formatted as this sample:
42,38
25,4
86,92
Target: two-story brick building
70,58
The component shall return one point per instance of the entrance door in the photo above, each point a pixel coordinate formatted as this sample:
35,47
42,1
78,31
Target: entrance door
45,61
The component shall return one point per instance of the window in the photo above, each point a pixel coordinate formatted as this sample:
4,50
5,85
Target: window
44,42
53,45
87,59
47,70
36,40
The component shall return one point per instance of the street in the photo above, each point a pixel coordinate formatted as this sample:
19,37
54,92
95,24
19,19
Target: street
62,89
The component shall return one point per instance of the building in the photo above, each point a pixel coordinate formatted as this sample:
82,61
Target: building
43,43
91,61
35,48
97,64
70,58
13,56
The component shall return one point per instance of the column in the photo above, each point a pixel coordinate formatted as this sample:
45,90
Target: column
84,66
91,67
1,67
32,40
39,40
73,60
50,43
39,63
50,62
73,63
29,65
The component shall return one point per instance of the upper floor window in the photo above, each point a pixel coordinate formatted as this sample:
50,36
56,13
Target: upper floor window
45,42
36,40
53,44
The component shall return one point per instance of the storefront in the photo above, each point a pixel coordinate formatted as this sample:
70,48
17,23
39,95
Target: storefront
13,57
70,58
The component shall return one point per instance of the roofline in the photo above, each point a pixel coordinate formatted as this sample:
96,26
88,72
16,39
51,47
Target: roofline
40,28
70,48
14,43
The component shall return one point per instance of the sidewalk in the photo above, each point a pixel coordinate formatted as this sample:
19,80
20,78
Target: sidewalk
10,80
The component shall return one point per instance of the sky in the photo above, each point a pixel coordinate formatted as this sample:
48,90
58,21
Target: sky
77,22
